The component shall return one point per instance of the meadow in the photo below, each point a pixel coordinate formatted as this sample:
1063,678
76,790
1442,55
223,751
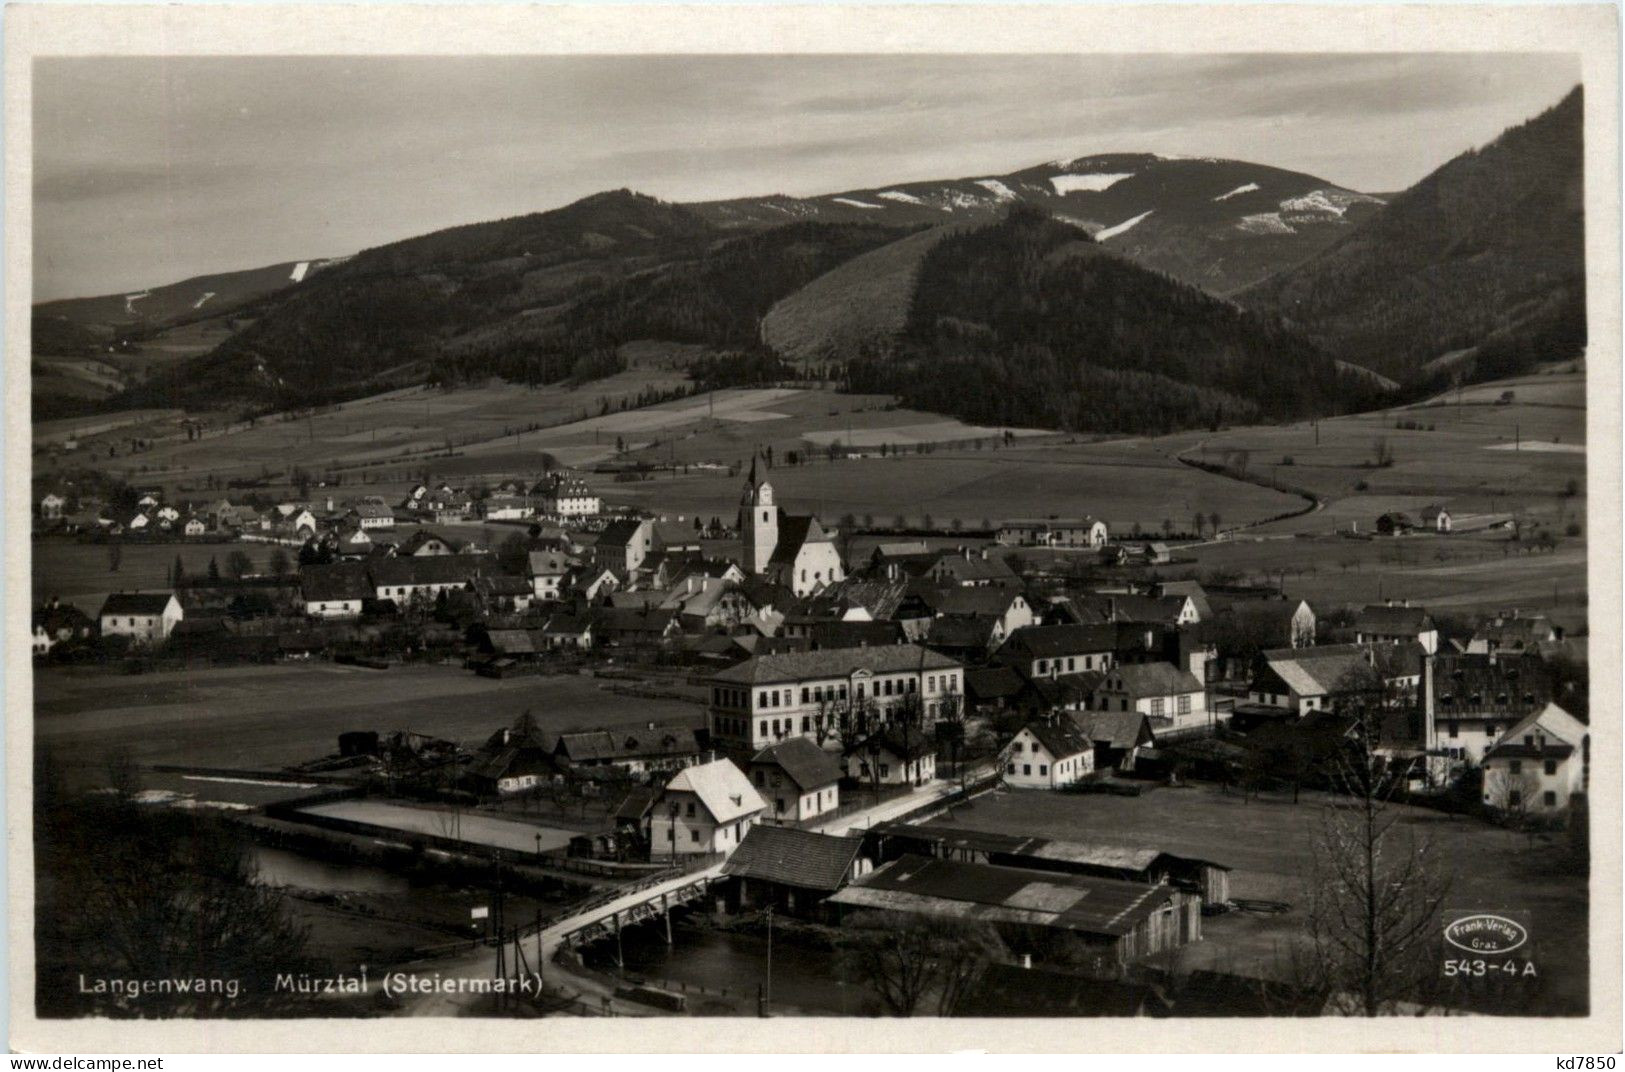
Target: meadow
80,573
1270,844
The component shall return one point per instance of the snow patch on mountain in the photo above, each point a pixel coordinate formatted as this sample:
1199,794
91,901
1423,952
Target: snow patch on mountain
898,195
853,203
1066,184
1246,189
1113,232
131,299
1265,223
999,190
207,294
1330,202
299,271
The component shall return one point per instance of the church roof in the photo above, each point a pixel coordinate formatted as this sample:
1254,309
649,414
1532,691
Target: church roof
795,532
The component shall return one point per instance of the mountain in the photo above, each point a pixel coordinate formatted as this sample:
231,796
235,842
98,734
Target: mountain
202,294
1219,224
536,298
1479,269
1030,321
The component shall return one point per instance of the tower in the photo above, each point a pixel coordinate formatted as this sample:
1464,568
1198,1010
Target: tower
758,523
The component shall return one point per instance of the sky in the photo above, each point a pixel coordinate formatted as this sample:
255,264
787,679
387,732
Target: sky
151,170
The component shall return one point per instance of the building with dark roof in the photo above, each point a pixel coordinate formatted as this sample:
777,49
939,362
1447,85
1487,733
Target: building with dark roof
768,698
1394,623
794,550
798,779
792,870
633,749
143,617
1121,922
1047,754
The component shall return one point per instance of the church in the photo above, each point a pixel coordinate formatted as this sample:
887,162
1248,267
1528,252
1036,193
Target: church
789,549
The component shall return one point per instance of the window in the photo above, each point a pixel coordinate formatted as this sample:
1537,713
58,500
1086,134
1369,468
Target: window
670,834
805,695
1551,766
1184,705
1016,747
760,778
885,770
1514,799
1549,798
1010,768
1516,766
1452,728
1071,664
843,692
1529,739
1043,665
1043,770
1026,768
761,700
694,836
806,724
1156,706
778,804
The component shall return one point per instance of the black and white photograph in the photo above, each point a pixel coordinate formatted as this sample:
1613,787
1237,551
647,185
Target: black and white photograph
547,536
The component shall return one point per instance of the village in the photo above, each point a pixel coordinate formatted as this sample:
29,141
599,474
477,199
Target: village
1029,737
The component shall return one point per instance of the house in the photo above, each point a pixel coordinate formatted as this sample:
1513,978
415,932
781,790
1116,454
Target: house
768,698
599,582
794,550
1118,737
633,626
424,544
295,520
195,526
1173,699
853,634
568,631
631,749
1293,682
1393,623
548,572
372,514
893,755
1541,764
1277,623
59,623
1513,634
502,591
565,497
1048,755
140,521
1008,606
144,617
507,508
1053,650
1436,518
967,639
791,870
969,568
335,591
1118,922
705,808
351,540
624,544
400,579
51,506
1477,698
147,501
515,759
166,516
1054,532
1396,523
797,779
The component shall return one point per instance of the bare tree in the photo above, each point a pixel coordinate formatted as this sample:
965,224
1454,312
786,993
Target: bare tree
908,960
1376,890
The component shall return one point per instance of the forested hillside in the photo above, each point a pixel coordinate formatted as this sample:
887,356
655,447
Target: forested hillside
1028,321
1479,269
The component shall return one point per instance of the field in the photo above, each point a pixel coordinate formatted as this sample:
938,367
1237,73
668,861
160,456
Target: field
1270,843
78,573
268,717
462,825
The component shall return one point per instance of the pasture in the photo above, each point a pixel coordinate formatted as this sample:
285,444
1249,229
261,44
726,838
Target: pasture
1270,843
265,717
81,573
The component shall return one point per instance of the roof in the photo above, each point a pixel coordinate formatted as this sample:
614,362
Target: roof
962,601
369,509
962,632
791,857
892,739
795,532
629,742
834,662
511,642
434,569
879,597
620,533
1114,729
1392,620
1150,679
654,620
1321,670
1060,738
1089,854
993,683
972,568
137,603
855,634
1048,641
636,803
1082,903
547,564
1551,726
722,787
803,762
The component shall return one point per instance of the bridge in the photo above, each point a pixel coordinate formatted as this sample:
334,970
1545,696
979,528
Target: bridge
606,915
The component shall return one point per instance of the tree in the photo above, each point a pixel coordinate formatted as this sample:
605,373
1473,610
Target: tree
1167,526
238,564
280,564
1376,889
906,960
1197,522
1213,522
115,556
514,554
214,569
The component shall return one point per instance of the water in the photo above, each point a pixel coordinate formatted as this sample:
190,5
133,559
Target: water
804,978
279,867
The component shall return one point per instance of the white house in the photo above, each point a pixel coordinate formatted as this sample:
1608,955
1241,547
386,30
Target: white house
893,757
1047,755
548,570
1173,699
1055,532
1539,765
1297,681
195,526
334,591
1054,650
624,544
705,808
1394,623
1436,518
769,698
50,507
370,514
144,617
564,497
797,779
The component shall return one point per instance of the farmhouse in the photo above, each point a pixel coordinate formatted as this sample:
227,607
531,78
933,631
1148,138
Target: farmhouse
1054,532
1296,681
401,578
1513,634
1173,699
1048,755
144,617
1118,737
195,526
59,623
633,749
1394,623
893,756
1053,650
789,549
507,508
705,808
1540,765
426,544
768,698
50,507
335,591
792,870
1007,606
1436,518
969,569
514,760
1120,921
798,779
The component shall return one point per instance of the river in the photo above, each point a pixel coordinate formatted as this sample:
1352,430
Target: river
279,867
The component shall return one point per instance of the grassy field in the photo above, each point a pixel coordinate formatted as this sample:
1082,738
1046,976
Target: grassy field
1269,843
267,717
79,573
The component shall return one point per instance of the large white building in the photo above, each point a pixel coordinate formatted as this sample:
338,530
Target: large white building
791,549
770,698
565,497
705,808
1539,765
144,617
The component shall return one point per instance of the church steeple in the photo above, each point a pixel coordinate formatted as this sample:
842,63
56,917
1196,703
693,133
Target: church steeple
758,522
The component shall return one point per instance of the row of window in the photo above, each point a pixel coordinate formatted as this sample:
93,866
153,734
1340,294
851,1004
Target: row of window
1159,705
1069,766
1069,664
770,698
1516,766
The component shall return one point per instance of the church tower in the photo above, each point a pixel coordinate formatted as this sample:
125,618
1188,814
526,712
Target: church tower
758,523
